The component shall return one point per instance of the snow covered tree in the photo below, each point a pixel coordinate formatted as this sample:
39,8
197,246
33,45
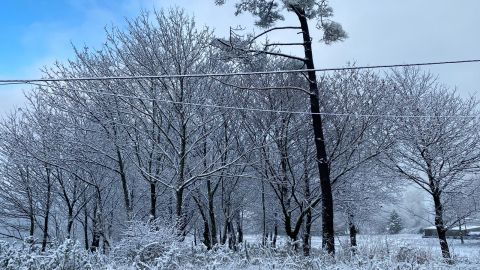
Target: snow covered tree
268,13
437,139
395,223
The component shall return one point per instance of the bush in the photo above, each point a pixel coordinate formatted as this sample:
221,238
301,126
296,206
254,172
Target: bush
144,243
412,255
69,255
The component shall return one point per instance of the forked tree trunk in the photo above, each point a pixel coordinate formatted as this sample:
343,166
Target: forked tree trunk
206,228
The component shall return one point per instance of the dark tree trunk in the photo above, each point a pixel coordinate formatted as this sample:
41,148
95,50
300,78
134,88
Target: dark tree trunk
306,234
31,217
85,227
353,234
153,200
31,213
223,238
211,214
206,235
328,236
239,227
308,216
96,231
180,222
232,239
206,228
123,180
195,235
461,231
275,232
96,223
441,230
47,211
70,222
264,217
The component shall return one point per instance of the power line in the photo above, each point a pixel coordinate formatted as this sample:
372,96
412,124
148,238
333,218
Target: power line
259,109
200,75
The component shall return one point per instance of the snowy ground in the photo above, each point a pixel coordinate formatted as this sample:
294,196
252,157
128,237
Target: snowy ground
402,251
407,251
470,249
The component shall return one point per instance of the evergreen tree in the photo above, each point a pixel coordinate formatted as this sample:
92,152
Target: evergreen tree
395,223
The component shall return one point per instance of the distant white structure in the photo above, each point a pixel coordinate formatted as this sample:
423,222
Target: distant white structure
471,231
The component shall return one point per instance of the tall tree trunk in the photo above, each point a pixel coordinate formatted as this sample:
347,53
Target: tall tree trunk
211,214
353,233
85,226
180,222
180,217
153,200
461,231
31,211
328,233
32,224
70,222
195,235
31,217
307,233
96,233
123,180
441,230
206,228
96,223
264,217
232,239
308,216
223,238
206,235
239,223
47,211
275,231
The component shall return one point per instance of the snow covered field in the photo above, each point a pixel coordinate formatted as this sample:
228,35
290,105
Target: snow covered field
469,251
405,251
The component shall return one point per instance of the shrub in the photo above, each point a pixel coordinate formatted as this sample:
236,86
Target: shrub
144,243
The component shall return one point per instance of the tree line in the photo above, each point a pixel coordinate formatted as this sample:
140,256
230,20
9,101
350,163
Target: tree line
273,154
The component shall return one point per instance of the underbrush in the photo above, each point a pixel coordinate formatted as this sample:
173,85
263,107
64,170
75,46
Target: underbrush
147,247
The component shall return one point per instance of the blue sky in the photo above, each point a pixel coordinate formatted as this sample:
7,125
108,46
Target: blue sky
35,33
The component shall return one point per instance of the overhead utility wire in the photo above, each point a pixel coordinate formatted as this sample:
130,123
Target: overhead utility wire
258,109
26,81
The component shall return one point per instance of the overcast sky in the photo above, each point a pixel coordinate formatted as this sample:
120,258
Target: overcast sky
35,33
